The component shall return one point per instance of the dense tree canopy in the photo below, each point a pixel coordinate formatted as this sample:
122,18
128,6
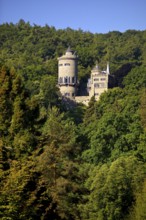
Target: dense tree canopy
71,163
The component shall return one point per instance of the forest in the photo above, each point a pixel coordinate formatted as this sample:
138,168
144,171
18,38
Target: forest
71,163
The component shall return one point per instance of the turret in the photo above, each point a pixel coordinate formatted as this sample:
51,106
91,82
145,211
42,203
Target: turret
67,73
107,69
98,83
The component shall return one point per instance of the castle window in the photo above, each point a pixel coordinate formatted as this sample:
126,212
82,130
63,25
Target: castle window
96,94
69,79
60,80
99,85
96,79
66,79
73,79
103,79
96,85
60,64
67,64
67,94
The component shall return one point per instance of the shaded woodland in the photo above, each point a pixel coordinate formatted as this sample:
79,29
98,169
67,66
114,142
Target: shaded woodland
77,163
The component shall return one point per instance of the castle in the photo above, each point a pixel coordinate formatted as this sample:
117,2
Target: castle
67,79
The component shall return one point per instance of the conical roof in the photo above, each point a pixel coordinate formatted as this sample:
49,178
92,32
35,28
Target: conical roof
69,50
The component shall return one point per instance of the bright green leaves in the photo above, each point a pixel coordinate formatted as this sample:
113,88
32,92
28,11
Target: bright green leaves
143,107
5,100
112,188
56,182
45,96
48,90
136,79
116,128
17,113
18,116
19,190
116,152
57,163
138,211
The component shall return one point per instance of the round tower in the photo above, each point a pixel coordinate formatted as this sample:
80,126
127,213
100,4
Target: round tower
67,73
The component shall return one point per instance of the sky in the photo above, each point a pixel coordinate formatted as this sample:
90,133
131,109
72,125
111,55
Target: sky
95,16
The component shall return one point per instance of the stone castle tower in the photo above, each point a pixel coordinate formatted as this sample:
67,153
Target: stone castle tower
67,73
67,79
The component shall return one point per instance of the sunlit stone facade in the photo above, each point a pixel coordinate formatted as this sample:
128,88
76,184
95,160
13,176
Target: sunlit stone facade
67,74
67,78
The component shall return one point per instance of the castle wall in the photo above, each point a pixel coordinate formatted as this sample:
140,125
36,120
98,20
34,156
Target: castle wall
82,99
68,91
67,67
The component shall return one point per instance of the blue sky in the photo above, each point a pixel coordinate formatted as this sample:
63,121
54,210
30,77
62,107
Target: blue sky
96,16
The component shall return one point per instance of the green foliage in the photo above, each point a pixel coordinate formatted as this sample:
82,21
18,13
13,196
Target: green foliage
78,162
15,190
49,179
112,188
138,212
5,101
116,128
59,170
44,44
136,79
143,108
